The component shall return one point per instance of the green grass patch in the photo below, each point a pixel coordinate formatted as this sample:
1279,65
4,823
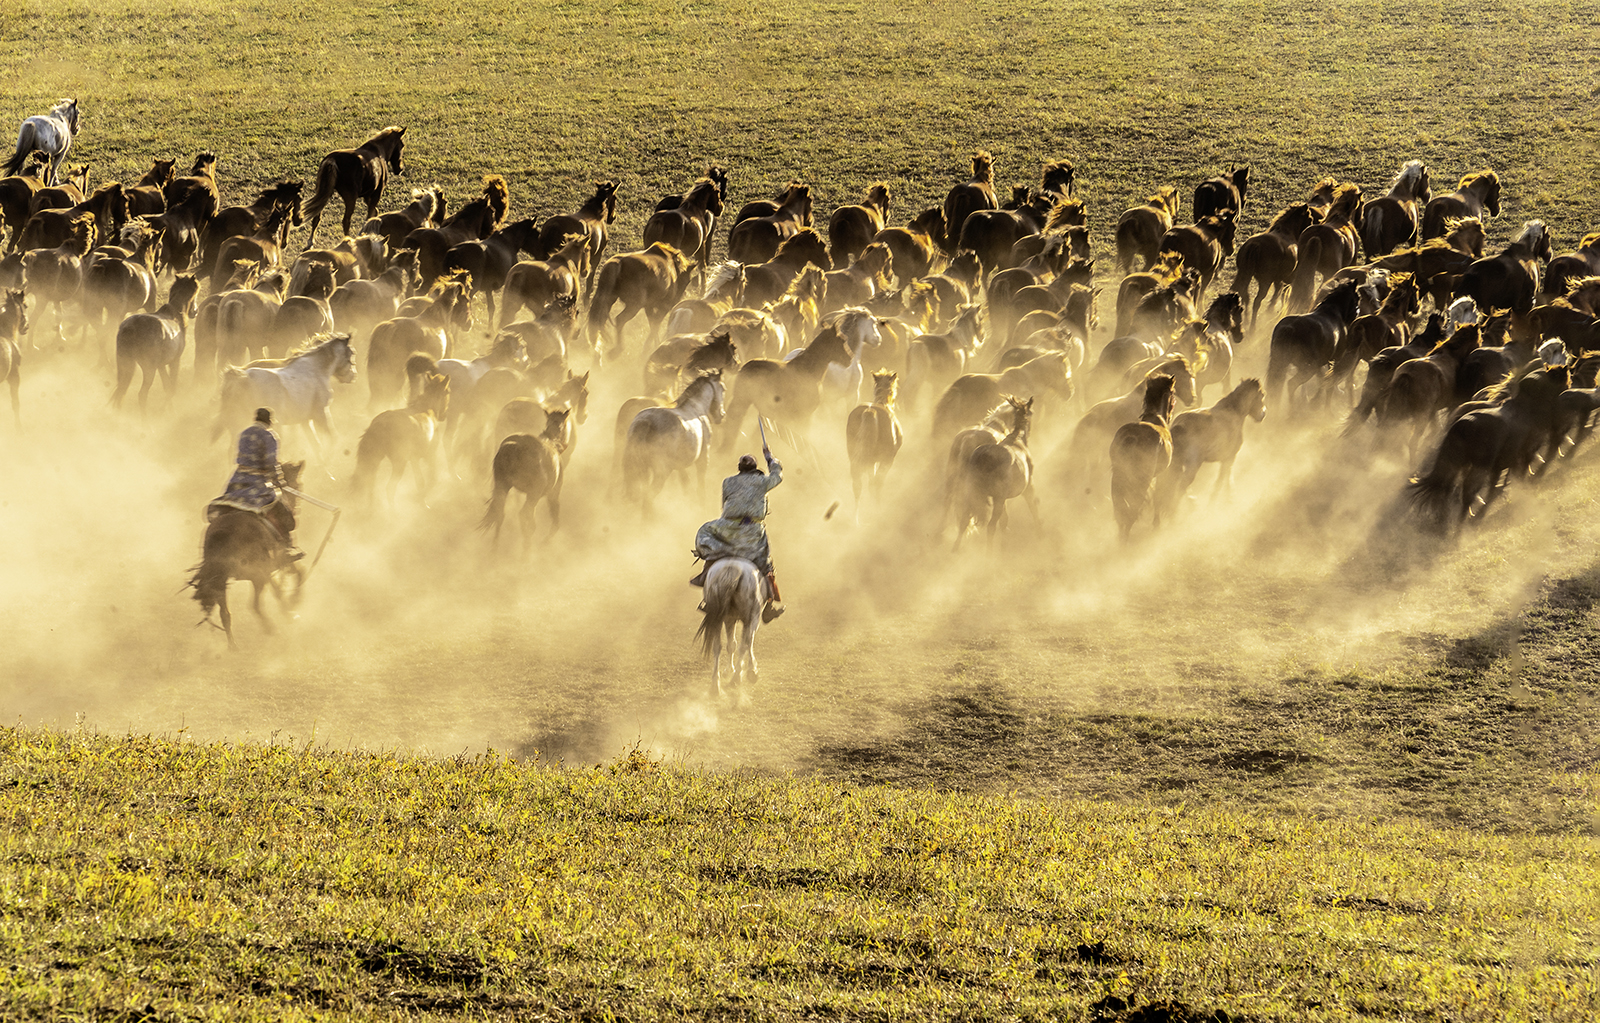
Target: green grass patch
160,879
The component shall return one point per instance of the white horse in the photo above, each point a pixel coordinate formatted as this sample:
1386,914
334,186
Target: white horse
50,133
859,328
734,595
298,391
662,441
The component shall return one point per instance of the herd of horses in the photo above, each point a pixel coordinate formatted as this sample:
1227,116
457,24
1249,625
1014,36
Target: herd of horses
963,330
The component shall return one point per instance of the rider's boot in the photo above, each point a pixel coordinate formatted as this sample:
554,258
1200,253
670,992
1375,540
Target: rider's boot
774,606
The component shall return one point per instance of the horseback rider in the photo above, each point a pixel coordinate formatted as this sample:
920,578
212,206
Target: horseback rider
256,485
741,532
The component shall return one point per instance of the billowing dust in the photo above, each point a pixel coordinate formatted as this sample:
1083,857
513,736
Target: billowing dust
416,633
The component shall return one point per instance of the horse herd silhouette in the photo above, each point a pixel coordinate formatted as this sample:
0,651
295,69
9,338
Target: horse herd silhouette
973,322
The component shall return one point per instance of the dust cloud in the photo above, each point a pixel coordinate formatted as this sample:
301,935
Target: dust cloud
416,633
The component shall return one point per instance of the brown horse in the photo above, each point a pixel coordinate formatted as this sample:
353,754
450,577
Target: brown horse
1140,453
1368,335
1214,195
1303,345
767,281
16,196
532,465
934,361
593,221
426,210
180,228
1212,434
359,173
264,247
64,193
1204,245
785,392
114,286
154,342
477,219
1566,269
246,545
13,324
688,222
146,196
48,228
246,221
1140,229
1328,247
199,188
1509,280
852,228
964,200
992,234
537,284
915,245
1422,387
488,261
423,328
649,282
1477,196
404,436
1267,260
995,473
872,436
860,282
679,360
1391,221
55,275
757,239
971,394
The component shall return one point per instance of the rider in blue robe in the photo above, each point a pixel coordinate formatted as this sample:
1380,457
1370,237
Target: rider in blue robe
741,532
256,482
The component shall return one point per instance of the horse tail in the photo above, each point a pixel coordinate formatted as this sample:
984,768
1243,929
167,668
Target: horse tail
1429,493
1401,400
495,513
1304,290
718,601
369,455
605,295
210,579
327,183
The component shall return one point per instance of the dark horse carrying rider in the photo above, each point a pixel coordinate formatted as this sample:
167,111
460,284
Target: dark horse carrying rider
741,532
256,484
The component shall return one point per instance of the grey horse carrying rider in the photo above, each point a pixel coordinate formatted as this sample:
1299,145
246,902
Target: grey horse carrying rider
741,532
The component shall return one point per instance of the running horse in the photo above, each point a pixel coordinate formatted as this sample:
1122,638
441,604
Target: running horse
359,173
242,544
735,593
50,133
298,392
661,441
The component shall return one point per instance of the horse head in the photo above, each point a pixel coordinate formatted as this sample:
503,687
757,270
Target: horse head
344,366
67,110
397,133
1057,178
205,166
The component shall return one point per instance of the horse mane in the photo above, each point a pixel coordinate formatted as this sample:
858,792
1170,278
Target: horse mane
1532,231
806,235
807,284
1590,240
497,196
878,194
205,166
317,342
722,275
389,132
1157,392
1410,171
983,167
506,343
1576,284
1488,176
596,203
930,222
708,378
1400,284
1345,200
1240,394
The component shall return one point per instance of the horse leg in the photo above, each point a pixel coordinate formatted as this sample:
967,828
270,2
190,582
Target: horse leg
716,658
255,604
226,616
145,383
1224,478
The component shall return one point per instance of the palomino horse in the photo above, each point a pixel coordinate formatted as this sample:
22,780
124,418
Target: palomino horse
1214,195
154,342
687,224
1140,229
852,228
662,441
872,436
1140,453
592,220
244,545
1391,221
359,173
50,133
532,465
649,282
1212,434
13,323
768,281
994,473
403,436
756,240
297,392
1268,259
964,200
735,592
1478,195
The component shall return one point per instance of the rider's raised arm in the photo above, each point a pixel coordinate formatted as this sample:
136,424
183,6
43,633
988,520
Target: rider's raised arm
774,472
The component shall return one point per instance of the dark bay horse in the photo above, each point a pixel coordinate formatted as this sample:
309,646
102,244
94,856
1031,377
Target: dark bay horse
649,282
244,545
593,221
1303,345
1268,259
966,199
1391,221
532,465
756,239
477,219
852,228
245,221
1510,279
1140,453
687,224
359,173
16,197
154,342
1140,229
146,197
1214,195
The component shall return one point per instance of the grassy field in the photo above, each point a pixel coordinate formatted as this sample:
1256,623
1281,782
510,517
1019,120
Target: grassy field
1288,760
158,880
